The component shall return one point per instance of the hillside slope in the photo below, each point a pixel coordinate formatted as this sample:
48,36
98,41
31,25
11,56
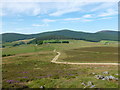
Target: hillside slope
102,35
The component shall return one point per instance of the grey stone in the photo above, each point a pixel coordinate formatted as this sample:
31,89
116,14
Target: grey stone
106,78
92,86
89,83
83,83
106,72
99,76
93,73
42,87
116,74
116,79
111,77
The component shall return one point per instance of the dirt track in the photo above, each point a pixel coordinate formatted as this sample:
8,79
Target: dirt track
54,60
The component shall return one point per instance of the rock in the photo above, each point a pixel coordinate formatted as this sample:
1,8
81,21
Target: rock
93,73
42,87
106,72
99,76
83,83
92,86
85,86
89,83
116,74
116,79
106,78
111,77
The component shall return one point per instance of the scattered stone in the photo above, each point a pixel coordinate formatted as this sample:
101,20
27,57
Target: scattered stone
116,79
106,78
99,76
89,83
83,83
111,77
93,73
42,87
92,86
106,72
85,86
116,74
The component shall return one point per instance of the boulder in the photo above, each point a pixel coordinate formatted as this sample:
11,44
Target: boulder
111,77
89,83
42,87
92,86
116,74
83,83
99,76
106,72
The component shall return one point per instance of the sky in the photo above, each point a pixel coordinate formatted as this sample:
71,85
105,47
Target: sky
36,16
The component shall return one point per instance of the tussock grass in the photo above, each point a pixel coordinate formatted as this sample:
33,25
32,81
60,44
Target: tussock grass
31,68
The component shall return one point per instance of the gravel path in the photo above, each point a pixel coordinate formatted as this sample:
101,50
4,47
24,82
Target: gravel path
54,60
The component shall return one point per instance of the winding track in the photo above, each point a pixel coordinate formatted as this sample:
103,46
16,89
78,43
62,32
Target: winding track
54,60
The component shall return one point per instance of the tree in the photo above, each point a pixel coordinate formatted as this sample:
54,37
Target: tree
39,42
65,41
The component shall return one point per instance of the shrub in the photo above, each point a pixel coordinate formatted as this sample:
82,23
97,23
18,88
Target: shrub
65,41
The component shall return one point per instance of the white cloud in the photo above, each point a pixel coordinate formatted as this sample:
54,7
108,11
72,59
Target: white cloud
109,12
60,0
61,12
53,8
104,6
87,20
2,14
36,11
48,20
13,8
106,18
87,16
78,19
39,25
69,19
68,7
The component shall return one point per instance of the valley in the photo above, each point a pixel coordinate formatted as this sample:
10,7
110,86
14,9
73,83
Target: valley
31,66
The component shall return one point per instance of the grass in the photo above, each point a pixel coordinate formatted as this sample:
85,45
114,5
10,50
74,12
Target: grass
92,54
59,47
25,49
31,66
36,70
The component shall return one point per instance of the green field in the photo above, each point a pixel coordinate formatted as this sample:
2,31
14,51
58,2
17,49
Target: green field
31,65
92,54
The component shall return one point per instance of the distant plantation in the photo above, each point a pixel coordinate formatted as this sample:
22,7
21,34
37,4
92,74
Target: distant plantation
57,41
40,42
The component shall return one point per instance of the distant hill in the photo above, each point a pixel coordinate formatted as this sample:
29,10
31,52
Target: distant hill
64,34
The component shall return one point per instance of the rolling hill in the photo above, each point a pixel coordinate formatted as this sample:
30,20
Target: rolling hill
101,35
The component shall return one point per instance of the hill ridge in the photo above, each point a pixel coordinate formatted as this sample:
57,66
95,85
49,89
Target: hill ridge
97,36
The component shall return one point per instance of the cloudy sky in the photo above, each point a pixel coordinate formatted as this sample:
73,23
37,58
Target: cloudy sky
36,16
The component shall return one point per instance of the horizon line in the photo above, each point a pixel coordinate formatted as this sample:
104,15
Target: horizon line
59,30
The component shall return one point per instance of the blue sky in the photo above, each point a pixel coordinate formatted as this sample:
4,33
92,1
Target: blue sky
35,17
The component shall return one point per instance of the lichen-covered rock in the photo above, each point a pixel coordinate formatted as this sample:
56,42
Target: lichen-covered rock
89,83
99,76
92,86
106,72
